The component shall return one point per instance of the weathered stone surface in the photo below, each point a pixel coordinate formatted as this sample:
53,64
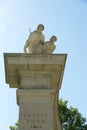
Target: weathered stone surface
36,109
38,79
26,70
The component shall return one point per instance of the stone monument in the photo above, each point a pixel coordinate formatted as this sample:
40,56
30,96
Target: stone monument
37,75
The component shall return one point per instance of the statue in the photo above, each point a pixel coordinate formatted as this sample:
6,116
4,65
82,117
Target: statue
36,42
49,46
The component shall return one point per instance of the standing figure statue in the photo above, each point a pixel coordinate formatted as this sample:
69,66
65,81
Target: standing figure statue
35,41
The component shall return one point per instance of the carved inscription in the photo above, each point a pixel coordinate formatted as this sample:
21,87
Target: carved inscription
35,120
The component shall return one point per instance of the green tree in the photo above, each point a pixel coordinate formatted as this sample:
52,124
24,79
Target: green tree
70,118
15,127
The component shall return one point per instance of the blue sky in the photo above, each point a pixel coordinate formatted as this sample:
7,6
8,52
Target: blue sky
67,19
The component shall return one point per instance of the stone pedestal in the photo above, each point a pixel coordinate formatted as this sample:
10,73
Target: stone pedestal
38,79
36,109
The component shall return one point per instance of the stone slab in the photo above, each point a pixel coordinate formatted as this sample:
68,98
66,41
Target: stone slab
46,70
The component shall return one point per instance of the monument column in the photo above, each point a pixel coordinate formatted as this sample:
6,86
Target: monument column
38,79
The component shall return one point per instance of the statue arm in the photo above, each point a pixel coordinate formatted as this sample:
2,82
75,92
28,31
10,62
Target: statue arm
26,45
42,40
54,48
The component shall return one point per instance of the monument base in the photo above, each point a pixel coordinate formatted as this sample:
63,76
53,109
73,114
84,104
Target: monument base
38,79
36,109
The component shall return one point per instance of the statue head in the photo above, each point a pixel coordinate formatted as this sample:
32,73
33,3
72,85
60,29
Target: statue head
53,38
40,27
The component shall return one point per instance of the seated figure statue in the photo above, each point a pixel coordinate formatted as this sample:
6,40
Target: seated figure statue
35,41
49,46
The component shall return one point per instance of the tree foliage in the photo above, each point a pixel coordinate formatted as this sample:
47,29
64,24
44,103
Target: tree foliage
70,118
15,127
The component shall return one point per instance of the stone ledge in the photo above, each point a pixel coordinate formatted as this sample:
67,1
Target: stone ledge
52,65
35,96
